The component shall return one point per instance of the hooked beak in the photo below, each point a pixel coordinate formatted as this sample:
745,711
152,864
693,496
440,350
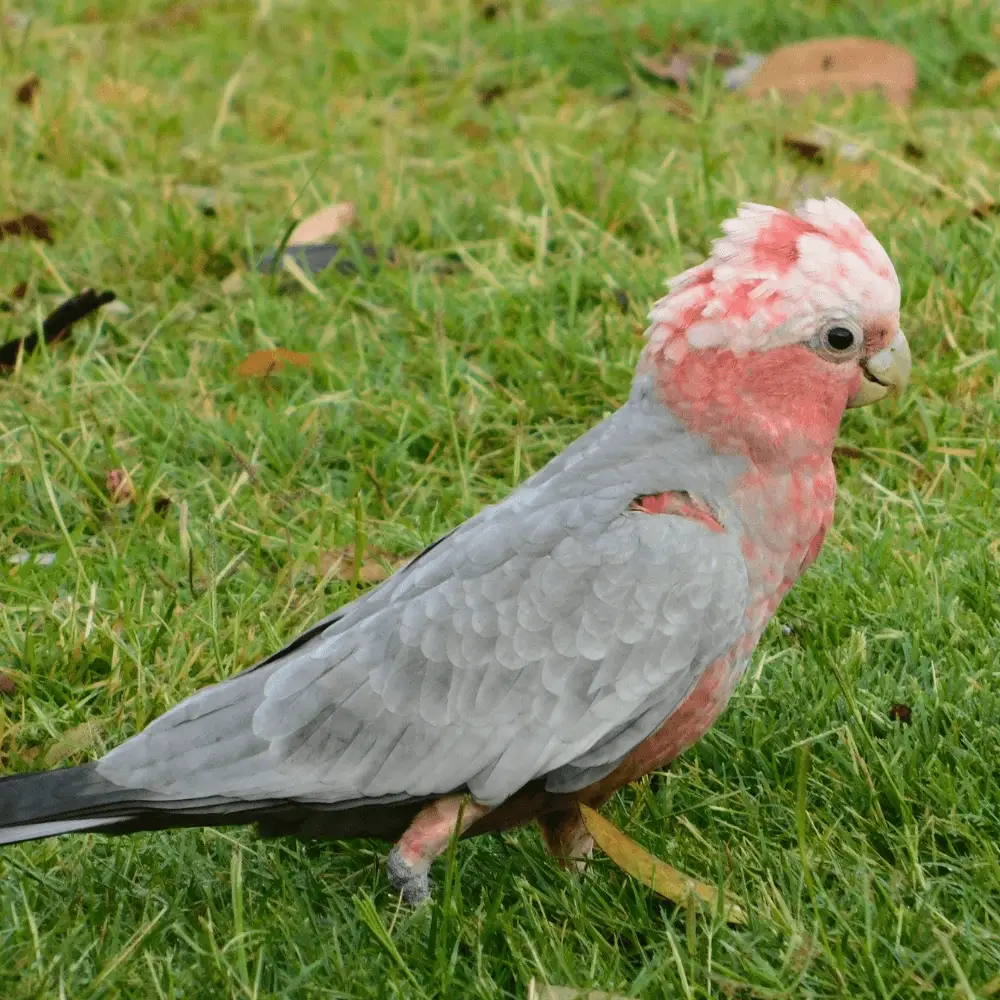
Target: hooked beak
885,372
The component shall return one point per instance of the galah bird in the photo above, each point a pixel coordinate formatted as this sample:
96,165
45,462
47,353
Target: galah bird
573,637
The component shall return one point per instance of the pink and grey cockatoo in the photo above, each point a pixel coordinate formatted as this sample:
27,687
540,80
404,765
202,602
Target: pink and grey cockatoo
573,637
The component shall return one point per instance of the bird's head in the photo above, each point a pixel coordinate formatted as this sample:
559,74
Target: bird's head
792,319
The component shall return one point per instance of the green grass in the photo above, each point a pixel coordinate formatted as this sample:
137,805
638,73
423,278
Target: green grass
866,850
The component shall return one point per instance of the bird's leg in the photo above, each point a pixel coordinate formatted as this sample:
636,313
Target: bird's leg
567,838
409,862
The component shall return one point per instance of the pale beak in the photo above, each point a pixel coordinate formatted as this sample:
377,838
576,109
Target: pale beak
885,372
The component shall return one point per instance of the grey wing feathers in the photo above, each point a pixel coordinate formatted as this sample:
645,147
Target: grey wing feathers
546,636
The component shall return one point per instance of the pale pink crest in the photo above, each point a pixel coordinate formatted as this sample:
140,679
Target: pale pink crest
774,277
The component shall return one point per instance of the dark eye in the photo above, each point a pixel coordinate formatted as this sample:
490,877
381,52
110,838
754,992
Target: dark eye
839,338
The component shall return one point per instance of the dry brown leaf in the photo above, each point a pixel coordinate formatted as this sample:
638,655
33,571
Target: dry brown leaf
7,684
321,225
376,564
674,68
263,363
650,870
851,65
543,991
73,741
111,91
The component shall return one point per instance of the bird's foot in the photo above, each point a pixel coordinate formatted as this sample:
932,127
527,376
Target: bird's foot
413,885
578,864
425,839
567,839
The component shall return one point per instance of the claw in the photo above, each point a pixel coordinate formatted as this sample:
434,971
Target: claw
425,839
414,886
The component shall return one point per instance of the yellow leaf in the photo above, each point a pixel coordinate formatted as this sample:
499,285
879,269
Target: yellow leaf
262,363
639,863
73,740
321,225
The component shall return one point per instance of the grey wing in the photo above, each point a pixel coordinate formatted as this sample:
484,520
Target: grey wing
547,636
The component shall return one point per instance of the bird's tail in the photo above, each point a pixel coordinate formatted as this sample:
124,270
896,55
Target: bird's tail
67,800
78,800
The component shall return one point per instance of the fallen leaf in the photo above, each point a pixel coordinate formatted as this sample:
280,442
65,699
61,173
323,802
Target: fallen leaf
543,991
73,741
56,325
28,91
321,225
806,148
7,685
472,130
850,65
263,363
111,91
675,68
28,224
490,94
376,564
119,484
901,713
651,871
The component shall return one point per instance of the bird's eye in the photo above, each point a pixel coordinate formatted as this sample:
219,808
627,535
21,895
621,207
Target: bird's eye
839,338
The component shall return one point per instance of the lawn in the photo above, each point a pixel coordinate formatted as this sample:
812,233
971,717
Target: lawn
535,192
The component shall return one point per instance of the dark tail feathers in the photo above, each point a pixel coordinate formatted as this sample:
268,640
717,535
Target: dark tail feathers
78,800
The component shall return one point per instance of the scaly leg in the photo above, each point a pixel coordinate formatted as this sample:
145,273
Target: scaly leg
567,838
426,838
